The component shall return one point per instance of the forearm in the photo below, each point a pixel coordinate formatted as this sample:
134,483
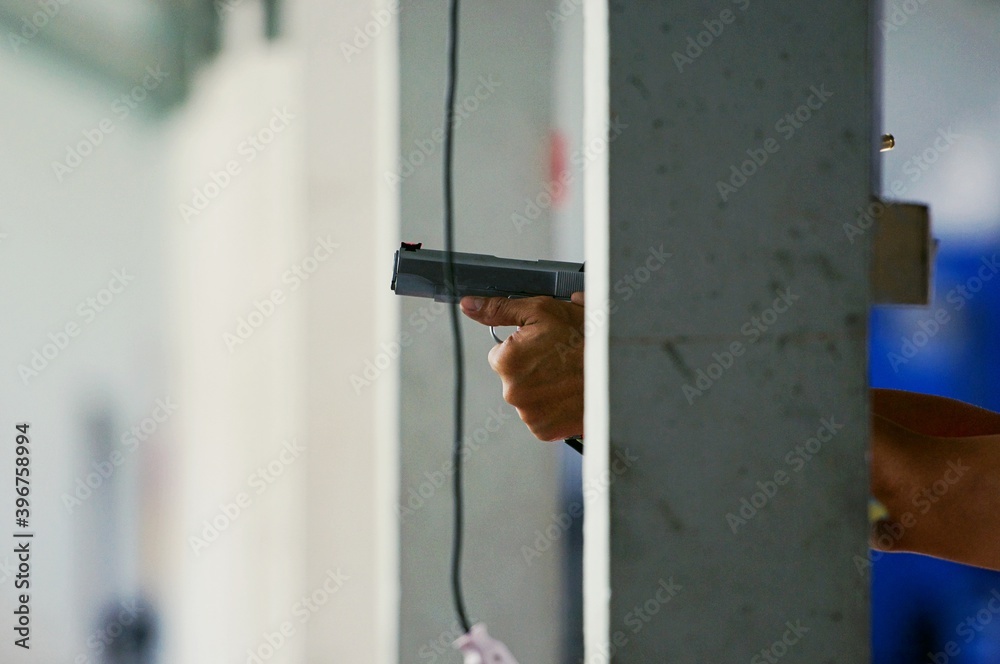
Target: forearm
942,491
933,415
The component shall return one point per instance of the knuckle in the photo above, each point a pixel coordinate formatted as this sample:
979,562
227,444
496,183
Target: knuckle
541,431
527,395
497,361
512,395
542,305
535,417
498,358
494,305
529,417
492,358
528,308
504,359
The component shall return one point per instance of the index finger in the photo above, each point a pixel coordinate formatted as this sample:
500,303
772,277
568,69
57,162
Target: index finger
500,310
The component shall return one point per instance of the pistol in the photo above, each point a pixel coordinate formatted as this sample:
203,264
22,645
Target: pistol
421,272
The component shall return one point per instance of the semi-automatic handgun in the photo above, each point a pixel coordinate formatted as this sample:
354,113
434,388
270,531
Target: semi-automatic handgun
421,272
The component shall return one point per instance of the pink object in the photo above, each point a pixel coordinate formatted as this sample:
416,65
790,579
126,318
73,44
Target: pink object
559,174
478,647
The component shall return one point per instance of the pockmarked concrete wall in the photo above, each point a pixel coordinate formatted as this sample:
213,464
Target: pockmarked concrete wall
740,141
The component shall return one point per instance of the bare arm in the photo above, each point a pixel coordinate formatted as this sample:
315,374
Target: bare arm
936,469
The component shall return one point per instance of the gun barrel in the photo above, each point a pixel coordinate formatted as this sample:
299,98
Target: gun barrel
421,272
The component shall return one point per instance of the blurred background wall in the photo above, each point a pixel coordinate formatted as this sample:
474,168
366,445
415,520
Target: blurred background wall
191,240
64,242
218,436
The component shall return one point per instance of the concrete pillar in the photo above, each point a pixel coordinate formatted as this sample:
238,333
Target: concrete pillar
735,350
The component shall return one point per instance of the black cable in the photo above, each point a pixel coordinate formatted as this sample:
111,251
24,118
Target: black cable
449,276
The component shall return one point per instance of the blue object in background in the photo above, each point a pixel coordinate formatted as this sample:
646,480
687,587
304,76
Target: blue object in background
920,605
930,610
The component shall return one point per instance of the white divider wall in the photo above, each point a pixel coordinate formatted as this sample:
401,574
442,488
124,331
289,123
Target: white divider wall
352,126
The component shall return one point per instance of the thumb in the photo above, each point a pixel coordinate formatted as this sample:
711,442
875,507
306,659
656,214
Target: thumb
499,310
